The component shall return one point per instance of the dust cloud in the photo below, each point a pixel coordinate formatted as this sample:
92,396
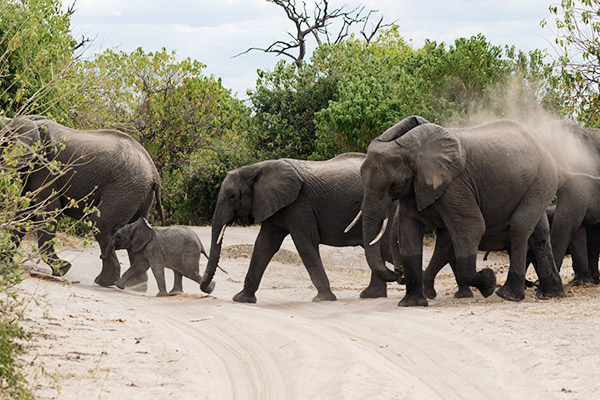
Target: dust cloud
563,139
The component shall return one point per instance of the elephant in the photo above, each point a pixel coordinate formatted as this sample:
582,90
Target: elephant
443,254
107,169
174,247
481,184
576,219
313,201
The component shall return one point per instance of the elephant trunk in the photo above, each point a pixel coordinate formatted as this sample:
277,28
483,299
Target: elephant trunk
372,228
218,228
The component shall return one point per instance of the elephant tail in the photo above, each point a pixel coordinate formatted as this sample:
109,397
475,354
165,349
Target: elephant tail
158,195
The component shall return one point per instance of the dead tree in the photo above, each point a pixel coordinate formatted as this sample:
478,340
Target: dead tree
318,26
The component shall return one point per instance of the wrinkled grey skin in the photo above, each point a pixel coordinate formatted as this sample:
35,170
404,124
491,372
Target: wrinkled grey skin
174,247
443,254
576,222
477,184
109,166
313,201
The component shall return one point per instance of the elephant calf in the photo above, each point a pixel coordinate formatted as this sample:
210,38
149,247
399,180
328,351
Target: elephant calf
174,247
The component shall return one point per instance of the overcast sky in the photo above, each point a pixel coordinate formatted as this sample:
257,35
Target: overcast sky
213,31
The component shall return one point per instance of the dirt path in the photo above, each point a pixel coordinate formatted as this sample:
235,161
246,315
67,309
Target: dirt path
103,343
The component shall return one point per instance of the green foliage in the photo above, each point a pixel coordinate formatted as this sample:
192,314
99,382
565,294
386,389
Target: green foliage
578,28
285,103
352,91
179,115
36,50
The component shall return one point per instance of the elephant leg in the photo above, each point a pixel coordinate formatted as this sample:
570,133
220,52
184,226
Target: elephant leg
579,257
139,281
309,253
466,228
159,274
141,265
411,242
377,288
593,248
46,246
443,254
111,269
550,284
177,283
266,245
464,291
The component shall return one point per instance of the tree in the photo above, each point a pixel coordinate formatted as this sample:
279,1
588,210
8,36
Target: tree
352,91
319,27
578,42
36,63
179,115
37,49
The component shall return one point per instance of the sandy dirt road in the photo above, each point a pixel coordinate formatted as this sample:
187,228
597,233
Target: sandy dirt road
103,343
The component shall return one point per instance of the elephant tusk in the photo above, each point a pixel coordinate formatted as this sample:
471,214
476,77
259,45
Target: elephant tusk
383,227
354,221
221,234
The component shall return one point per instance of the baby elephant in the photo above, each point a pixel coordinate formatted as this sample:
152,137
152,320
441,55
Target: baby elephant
174,247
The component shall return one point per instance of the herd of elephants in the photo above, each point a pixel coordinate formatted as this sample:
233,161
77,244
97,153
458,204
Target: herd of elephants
487,187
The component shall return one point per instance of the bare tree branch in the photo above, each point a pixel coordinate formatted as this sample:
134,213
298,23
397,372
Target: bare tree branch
317,25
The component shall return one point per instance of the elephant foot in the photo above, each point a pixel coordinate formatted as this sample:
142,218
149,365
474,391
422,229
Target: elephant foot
120,284
105,281
582,280
243,297
429,290
373,292
485,281
549,287
327,296
175,292
464,292
162,293
413,301
61,268
512,295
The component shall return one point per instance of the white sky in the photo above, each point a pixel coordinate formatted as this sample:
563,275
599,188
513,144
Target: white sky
212,31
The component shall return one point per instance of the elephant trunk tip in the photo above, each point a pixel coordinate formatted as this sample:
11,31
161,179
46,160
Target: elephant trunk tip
207,287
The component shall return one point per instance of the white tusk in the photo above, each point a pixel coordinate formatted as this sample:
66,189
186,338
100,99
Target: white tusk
221,234
354,221
385,222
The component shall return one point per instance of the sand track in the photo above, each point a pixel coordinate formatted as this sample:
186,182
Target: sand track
104,343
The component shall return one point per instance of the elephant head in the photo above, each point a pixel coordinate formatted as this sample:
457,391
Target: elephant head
134,236
255,191
413,158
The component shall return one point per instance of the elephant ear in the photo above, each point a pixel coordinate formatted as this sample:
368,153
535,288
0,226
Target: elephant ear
276,185
141,235
401,128
440,159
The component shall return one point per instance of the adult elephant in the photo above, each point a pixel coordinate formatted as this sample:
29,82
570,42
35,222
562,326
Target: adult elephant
107,169
576,219
313,201
477,184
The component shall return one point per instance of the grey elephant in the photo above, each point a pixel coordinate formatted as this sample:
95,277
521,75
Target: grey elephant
313,201
476,183
576,219
107,168
174,247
